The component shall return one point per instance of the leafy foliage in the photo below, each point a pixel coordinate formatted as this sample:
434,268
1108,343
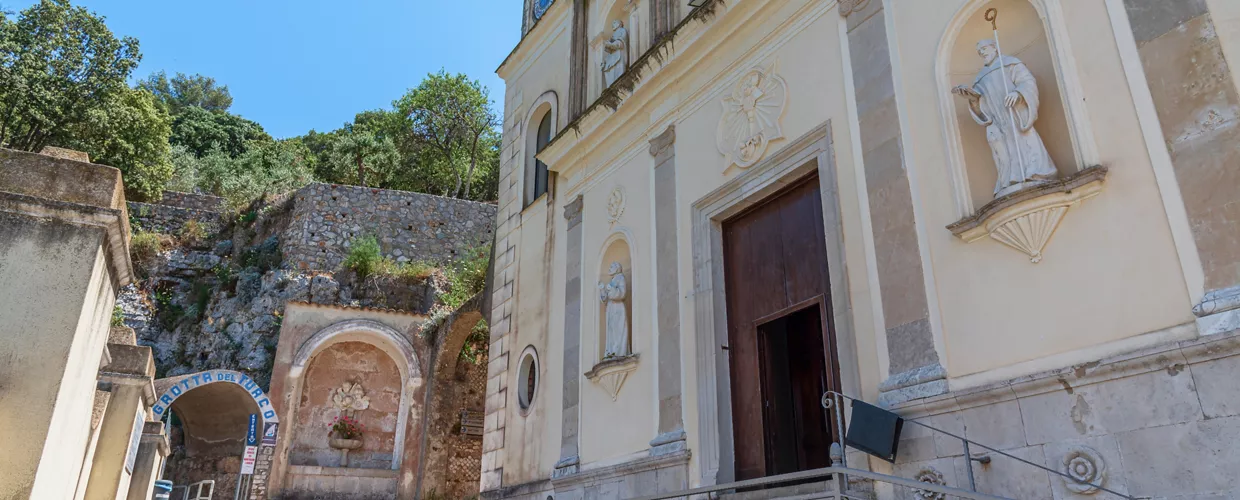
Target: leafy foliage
364,256
440,138
143,247
204,132
265,168
450,115
466,276
181,91
59,66
130,133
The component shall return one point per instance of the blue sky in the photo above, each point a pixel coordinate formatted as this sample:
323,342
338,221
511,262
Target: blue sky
294,65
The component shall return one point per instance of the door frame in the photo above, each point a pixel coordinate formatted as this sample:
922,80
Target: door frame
813,151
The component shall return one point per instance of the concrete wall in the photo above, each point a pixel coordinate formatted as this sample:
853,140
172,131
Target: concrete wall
62,259
409,226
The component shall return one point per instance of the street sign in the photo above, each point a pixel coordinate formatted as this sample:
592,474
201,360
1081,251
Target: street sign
248,460
269,433
251,435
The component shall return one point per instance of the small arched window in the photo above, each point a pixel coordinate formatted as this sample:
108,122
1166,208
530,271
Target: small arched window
540,175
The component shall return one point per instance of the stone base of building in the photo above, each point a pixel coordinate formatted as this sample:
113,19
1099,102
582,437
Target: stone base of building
1160,422
337,482
635,478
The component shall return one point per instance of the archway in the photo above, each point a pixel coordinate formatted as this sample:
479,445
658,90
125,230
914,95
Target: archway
209,415
452,448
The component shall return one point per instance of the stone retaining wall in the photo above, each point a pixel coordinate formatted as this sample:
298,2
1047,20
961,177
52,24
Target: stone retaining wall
409,226
170,220
194,201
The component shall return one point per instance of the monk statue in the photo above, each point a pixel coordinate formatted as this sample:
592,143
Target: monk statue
1004,99
612,294
615,54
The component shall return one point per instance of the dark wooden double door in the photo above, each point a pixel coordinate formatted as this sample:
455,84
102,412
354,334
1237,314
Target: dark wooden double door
781,345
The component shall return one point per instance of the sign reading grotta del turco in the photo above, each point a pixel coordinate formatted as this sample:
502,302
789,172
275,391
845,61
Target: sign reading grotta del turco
216,376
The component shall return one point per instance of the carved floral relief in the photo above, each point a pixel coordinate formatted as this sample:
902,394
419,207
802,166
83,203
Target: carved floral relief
751,115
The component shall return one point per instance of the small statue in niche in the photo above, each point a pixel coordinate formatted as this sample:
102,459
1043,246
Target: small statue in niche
613,295
615,54
1004,99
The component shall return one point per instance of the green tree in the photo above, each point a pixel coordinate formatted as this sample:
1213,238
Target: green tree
357,153
183,91
266,167
59,65
451,115
129,133
203,131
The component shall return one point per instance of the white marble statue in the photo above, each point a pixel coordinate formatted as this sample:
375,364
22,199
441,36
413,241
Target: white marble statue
613,294
1020,156
615,54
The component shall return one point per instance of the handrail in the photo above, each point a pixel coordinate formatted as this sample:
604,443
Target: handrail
830,404
838,472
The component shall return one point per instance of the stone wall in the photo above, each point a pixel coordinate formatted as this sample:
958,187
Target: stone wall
1160,422
194,201
166,219
409,226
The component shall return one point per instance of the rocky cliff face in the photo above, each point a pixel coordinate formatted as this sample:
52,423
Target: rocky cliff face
218,301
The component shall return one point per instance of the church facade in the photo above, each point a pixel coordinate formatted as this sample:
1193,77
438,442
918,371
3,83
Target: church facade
1016,221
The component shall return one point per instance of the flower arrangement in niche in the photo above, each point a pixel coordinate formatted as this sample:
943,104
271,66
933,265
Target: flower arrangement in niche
347,428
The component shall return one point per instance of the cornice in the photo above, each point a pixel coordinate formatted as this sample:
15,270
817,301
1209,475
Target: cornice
564,156
537,32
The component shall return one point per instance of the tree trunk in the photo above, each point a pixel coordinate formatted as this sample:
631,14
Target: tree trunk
361,171
473,161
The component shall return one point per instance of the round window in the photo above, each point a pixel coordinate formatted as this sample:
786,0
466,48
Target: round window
527,378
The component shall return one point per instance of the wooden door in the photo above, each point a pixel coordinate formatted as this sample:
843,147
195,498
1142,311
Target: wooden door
775,267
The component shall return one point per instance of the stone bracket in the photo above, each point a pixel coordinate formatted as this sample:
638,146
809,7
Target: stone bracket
668,443
611,373
1027,219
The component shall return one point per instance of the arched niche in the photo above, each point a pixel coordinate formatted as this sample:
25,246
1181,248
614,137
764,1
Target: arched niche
378,343
541,124
616,249
351,362
1031,30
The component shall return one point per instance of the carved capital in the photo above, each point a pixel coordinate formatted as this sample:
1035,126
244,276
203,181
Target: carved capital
847,7
663,141
572,212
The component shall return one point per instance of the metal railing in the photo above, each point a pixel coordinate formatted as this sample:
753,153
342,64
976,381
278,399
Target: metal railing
839,472
833,401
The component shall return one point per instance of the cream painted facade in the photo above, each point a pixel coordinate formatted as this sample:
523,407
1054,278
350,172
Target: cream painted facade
78,393
1139,277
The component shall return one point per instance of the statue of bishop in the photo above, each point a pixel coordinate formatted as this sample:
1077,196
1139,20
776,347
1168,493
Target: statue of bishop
1004,99
615,54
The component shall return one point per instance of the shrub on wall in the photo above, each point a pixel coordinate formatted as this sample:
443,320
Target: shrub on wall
467,276
143,247
365,256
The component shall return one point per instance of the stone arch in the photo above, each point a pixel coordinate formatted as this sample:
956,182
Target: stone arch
392,342
452,460
212,409
546,107
1033,30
